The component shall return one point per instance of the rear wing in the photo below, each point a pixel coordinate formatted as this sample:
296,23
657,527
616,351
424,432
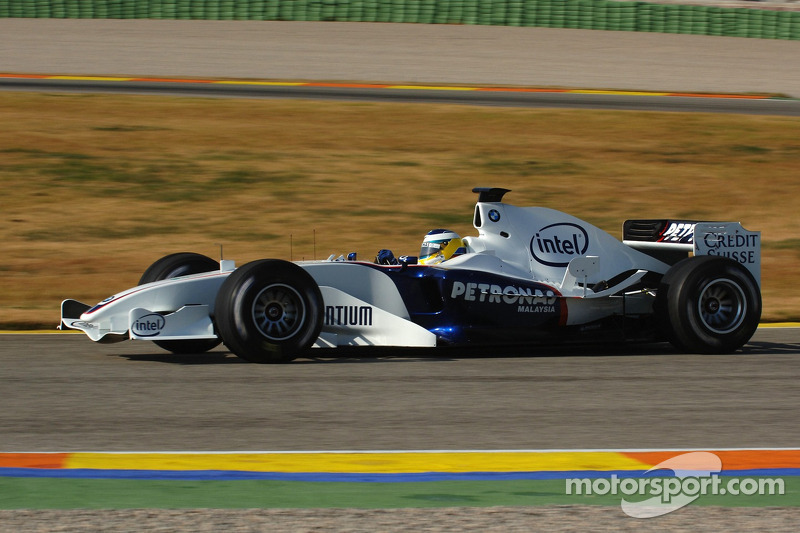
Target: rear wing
672,240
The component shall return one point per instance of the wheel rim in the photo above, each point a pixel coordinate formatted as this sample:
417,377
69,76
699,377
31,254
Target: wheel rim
278,312
722,306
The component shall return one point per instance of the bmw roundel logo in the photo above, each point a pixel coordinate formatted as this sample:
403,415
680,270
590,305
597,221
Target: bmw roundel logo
494,215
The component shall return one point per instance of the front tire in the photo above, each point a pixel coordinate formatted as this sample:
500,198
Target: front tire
173,266
269,311
708,304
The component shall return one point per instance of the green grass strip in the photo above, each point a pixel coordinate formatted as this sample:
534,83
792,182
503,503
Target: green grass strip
60,493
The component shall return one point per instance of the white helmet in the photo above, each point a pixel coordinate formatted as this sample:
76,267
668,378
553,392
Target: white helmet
440,245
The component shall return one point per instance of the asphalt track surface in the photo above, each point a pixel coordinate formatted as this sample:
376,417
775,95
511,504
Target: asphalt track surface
464,95
61,392
406,53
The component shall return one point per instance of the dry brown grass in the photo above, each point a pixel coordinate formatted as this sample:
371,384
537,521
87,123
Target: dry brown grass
95,188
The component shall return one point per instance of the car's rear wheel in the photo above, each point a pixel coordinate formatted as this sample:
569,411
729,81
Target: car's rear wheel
173,266
269,311
708,304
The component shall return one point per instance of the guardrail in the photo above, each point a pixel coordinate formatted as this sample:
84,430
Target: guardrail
579,14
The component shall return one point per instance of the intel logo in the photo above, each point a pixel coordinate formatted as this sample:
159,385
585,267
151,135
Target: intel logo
148,325
557,244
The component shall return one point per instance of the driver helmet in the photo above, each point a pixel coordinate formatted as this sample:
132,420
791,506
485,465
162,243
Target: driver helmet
440,245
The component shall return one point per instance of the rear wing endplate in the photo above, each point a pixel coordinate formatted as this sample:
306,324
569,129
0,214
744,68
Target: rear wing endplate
672,240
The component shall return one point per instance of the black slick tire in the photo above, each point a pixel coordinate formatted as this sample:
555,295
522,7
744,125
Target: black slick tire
708,304
173,266
269,311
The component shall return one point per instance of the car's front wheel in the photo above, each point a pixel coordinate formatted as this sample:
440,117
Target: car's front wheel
708,304
173,266
269,311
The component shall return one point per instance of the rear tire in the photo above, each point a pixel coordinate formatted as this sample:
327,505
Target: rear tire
173,266
708,304
269,311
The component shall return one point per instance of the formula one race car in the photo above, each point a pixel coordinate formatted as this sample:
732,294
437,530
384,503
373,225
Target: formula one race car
532,275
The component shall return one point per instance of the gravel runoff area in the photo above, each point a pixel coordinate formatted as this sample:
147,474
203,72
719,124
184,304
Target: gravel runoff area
489,519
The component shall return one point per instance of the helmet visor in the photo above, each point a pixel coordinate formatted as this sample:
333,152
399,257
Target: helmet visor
431,248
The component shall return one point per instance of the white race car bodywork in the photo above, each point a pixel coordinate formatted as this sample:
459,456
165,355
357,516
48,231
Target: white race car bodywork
368,312
524,260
